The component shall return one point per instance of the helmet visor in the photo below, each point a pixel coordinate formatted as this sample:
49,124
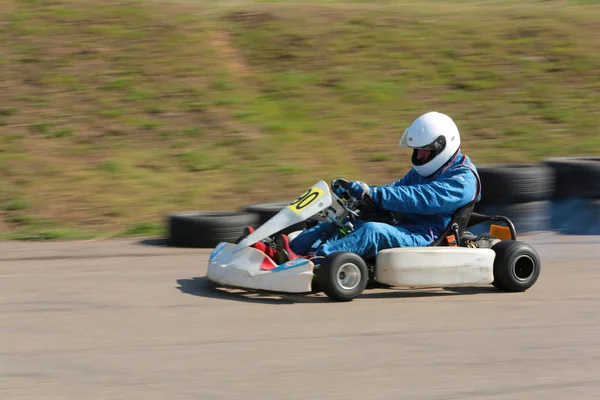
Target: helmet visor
424,154
404,139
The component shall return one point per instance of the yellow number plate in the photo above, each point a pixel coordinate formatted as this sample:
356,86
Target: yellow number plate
306,199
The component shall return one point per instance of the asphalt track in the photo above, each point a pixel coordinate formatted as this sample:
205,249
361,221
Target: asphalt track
130,320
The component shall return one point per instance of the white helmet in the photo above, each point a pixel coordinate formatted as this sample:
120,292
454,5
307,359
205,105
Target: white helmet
432,131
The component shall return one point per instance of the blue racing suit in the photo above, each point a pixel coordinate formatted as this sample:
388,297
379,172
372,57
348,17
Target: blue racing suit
422,206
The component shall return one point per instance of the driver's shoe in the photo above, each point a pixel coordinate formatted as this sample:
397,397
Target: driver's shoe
283,252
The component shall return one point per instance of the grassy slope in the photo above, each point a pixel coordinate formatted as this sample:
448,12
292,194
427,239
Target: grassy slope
115,113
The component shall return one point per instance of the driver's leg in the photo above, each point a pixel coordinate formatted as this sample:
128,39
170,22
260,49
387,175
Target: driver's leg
372,237
306,241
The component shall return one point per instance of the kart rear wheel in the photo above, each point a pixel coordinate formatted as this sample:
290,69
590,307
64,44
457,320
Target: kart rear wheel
342,276
517,266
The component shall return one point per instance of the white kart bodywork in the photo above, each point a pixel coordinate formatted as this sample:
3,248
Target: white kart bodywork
242,268
435,266
240,265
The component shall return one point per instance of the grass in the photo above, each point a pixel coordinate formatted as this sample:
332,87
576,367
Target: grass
116,113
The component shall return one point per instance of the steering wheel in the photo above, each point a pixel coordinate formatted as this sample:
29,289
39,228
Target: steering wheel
339,189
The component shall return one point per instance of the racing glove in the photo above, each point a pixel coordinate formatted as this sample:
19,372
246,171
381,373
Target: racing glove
358,190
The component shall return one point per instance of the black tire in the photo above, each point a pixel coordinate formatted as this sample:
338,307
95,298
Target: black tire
267,210
575,177
515,183
205,229
315,287
499,285
338,266
517,266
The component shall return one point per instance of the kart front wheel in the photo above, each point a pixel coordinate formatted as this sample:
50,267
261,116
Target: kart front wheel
342,276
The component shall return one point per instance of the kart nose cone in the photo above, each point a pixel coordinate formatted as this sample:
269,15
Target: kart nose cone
243,268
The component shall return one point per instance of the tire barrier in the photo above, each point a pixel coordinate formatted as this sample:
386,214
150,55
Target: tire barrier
205,229
559,194
515,184
575,177
575,207
520,192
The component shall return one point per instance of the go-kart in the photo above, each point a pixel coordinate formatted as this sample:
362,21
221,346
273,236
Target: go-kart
457,258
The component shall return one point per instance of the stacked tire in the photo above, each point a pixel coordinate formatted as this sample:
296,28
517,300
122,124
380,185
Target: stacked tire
206,229
575,206
521,192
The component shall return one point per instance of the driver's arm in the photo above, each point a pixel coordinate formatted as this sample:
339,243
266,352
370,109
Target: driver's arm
442,196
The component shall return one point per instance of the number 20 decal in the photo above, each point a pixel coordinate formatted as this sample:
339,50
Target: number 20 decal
306,199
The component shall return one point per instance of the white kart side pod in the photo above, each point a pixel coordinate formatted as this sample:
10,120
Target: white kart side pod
435,266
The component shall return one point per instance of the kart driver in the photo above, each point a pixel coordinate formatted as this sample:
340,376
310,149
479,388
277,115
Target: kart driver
423,202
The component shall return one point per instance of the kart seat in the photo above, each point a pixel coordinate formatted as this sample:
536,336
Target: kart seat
465,218
455,229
